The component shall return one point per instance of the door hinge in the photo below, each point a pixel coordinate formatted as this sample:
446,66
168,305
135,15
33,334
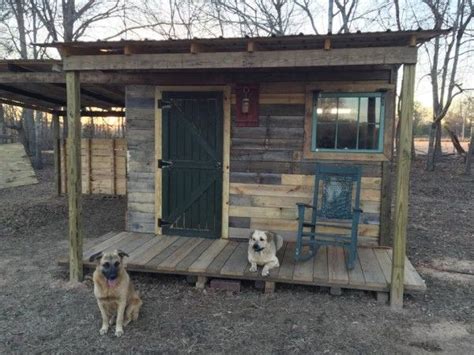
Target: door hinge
163,104
164,164
162,223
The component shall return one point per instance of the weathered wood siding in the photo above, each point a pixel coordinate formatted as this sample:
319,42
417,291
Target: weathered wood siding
103,168
141,158
269,174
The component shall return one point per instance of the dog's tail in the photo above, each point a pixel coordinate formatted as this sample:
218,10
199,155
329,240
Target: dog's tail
278,241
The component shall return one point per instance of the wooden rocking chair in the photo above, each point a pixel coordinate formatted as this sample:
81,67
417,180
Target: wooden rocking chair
338,206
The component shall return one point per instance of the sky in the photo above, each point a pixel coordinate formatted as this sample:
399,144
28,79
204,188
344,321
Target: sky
373,19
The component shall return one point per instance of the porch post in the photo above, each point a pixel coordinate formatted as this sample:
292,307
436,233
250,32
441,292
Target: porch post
402,187
57,155
74,175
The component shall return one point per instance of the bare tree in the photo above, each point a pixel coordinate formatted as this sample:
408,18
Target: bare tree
445,55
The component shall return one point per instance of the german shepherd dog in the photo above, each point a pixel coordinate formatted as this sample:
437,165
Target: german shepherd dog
117,299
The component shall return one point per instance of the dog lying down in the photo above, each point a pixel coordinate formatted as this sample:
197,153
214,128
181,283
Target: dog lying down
117,299
262,250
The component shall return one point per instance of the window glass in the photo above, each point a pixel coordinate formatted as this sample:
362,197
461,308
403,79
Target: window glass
348,122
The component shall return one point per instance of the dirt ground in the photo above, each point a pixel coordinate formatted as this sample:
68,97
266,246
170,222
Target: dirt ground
40,312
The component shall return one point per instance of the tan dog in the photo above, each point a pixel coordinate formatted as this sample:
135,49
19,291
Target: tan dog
262,250
114,291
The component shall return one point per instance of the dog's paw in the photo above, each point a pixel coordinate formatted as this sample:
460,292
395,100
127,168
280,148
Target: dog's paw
103,330
118,333
265,272
253,268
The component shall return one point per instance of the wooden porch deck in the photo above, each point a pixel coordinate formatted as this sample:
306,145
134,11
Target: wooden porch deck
220,258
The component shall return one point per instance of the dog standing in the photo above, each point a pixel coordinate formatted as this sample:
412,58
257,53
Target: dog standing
262,250
115,294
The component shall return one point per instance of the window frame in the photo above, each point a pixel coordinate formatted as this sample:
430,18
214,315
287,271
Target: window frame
317,95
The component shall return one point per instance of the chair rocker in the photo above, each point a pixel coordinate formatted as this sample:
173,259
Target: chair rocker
338,206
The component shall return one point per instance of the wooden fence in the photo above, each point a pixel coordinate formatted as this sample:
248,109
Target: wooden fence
103,166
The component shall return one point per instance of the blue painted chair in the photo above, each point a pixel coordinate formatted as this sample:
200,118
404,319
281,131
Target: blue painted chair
335,202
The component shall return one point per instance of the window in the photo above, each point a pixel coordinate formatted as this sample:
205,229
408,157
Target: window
347,122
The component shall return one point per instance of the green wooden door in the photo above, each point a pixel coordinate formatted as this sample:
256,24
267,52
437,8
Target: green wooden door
192,163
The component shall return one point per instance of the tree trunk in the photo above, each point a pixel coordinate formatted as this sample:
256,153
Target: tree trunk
430,158
3,130
470,153
455,140
29,131
38,158
438,150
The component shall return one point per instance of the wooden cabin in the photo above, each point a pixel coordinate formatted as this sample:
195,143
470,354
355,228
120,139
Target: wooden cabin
223,136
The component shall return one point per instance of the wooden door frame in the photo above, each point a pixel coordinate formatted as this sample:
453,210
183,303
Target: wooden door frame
226,101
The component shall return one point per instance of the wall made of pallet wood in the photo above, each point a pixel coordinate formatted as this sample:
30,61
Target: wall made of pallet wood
269,174
140,117
103,169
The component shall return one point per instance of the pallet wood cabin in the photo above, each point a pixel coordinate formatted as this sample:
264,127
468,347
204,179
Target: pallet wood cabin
223,136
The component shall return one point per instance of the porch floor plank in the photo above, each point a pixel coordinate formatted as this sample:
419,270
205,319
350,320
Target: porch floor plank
321,273
370,266
206,258
184,264
219,261
304,270
175,258
228,259
153,250
288,264
337,266
237,262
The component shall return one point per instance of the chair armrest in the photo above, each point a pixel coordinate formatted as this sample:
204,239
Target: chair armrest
299,204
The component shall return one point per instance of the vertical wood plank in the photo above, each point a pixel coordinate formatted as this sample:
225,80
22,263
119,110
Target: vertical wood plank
226,164
402,187
74,175
57,154
386,205
89,166
158,155
114,167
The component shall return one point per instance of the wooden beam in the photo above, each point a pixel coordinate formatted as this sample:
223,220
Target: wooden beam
402,187
29,77
74,176
57,157
412,42
107,113
231,60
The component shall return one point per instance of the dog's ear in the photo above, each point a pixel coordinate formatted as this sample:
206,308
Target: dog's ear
121,253
96,257
270,236
251,234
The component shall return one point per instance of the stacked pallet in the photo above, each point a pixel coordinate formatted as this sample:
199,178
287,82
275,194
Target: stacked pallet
103,169
15,166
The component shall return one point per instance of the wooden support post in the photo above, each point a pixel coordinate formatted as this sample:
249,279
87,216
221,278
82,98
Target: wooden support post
251,46
269,287
57,155
402,187
386,205
201,282
327,44
412,42
74,175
